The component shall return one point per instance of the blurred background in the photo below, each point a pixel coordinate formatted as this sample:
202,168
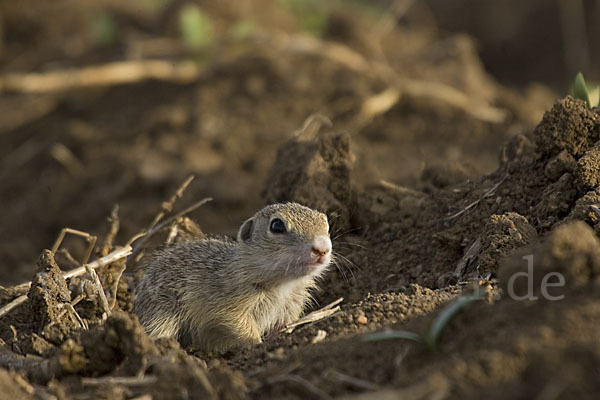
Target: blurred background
107,102
545,41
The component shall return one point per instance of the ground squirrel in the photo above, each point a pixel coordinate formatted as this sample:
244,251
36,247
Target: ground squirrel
217,294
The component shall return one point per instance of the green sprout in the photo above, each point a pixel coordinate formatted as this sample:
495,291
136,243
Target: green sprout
103,29
196,27
243,29
312,14
433,333
583,91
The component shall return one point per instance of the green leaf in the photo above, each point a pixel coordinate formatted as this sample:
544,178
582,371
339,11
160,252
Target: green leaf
196,27
580,90
594,96
434,332
389,335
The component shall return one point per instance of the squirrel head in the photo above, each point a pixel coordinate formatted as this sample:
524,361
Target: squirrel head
288,240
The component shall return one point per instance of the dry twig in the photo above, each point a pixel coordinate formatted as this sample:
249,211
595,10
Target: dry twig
317,315
112,233
108,259
90,238
12,305
167,206
114,73
119,380
401,189
115,287
398,86
145,236
186,71
100,290
476,202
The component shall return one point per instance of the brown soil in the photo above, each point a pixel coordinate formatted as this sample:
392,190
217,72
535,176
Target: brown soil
428,200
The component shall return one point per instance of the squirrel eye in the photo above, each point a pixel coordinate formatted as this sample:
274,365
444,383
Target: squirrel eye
277,226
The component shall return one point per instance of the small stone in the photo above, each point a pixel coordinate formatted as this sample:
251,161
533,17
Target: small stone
319,337
361,320
276,354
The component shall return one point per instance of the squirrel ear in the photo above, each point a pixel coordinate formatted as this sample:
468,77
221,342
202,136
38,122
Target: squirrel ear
245,232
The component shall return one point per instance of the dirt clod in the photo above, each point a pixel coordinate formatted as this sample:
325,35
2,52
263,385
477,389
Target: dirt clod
571,254
569,126
587,172
48,295
121,342
314,169
501,236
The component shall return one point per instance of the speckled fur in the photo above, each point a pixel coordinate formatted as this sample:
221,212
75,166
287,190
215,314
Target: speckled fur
216,294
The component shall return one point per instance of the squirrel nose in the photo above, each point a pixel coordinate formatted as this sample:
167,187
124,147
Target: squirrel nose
321,246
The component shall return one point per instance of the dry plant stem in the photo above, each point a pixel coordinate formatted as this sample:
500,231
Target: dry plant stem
77,299
140,245
115,287
135,237
65,253
67,159
100,290
90,238
172,234
312,125
71,309
119,380
476,202
12,305
114,73
112,233
68,308
317,315
404,87
110,258
401,189
187,71
167,206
